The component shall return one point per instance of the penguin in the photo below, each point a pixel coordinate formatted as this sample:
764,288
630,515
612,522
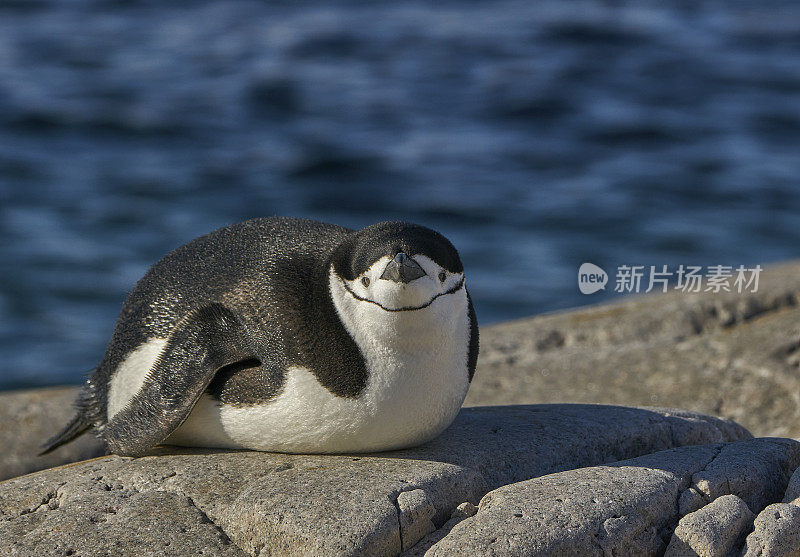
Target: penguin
287,335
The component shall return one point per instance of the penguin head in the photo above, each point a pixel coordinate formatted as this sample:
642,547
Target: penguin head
398,267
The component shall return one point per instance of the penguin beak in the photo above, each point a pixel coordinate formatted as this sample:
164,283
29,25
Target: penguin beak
402,269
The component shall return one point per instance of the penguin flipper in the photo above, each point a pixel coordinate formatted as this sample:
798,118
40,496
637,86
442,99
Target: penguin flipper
206,340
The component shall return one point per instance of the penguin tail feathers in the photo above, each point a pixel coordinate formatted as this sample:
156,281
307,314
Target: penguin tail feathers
83,421
79,425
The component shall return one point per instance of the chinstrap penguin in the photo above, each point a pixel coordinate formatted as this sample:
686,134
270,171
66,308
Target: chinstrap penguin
287,335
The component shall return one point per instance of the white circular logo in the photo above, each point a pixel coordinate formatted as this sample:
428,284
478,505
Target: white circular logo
591,278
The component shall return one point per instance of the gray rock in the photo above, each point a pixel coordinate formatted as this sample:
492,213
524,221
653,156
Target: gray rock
27,420
757,471
115,522
508,443
776,533
728,354
793,489
623,508
415,512
463,511
690,501
275,504
757,476
713,531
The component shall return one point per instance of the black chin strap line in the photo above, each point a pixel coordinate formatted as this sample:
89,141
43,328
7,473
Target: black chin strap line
455,288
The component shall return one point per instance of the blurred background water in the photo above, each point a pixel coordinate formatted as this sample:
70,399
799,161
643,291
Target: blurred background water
535,135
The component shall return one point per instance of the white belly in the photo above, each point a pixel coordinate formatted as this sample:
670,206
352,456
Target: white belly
418,379
307,418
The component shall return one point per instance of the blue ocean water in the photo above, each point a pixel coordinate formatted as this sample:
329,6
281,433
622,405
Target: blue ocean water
535,135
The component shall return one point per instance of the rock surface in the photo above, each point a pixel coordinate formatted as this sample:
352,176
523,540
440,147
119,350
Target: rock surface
28,419
776,534
793,490
624,508
715,530
416,512
273,504
758,472
114,522
464,510
728,354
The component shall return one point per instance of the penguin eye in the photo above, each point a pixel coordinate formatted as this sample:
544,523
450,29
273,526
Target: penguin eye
442,276
365,281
